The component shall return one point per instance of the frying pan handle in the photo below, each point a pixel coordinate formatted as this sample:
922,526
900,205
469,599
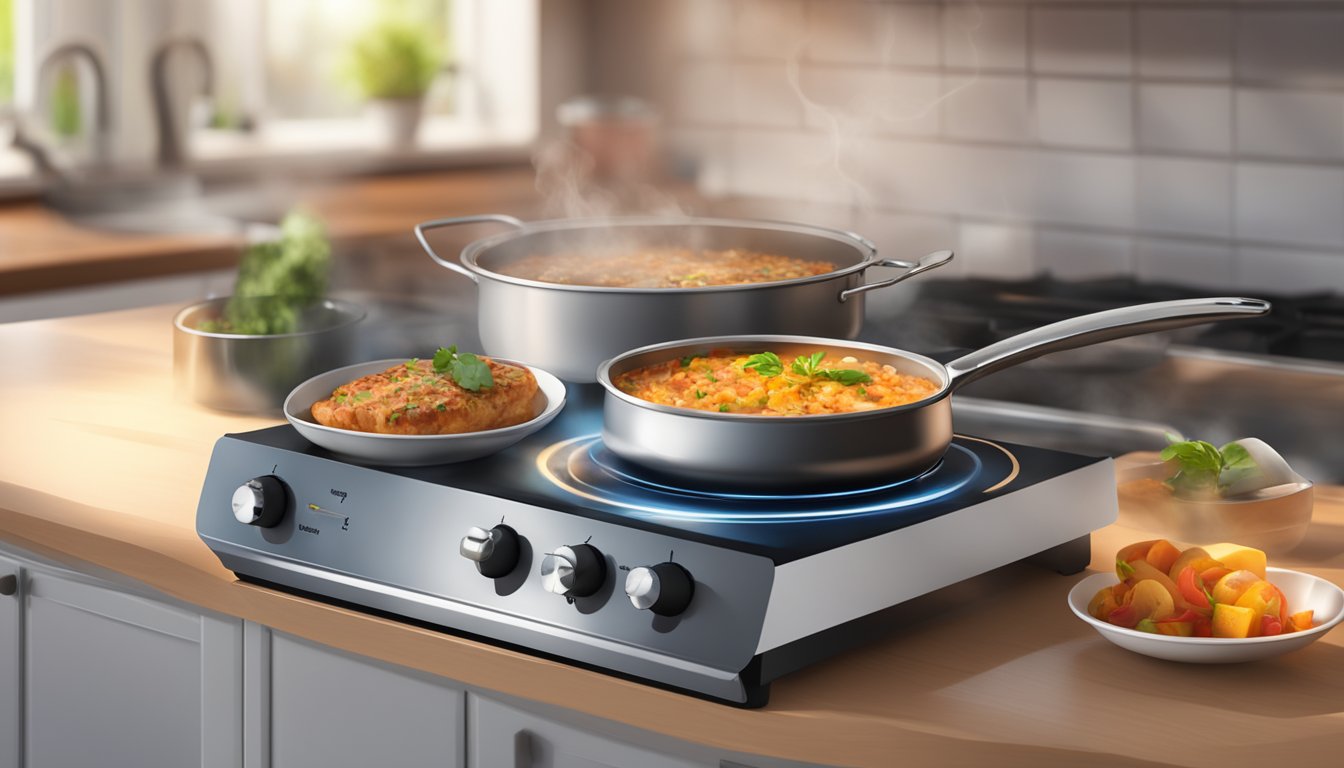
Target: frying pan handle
932,261
1095,328
423,227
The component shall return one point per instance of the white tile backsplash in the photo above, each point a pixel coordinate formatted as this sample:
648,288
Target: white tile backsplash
1071,255
772,29
856,100
980,37
703,93
861,32
787,164
1094,114
1195,264
1291,47
1189,43
1291,204
993,250
763,96
1081,41
1188,141
1196,119
1291,124
989,108
1186,197
1287,271
1086,189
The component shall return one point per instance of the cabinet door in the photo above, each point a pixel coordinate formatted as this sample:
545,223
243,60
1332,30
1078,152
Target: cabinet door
506,736
11,663
330,709
113,678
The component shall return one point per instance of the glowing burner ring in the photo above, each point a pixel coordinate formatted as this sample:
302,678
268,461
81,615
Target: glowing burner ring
583,467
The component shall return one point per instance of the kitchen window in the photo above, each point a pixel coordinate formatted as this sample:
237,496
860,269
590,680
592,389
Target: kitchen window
280,71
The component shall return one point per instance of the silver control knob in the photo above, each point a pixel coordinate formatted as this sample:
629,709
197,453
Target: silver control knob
576,571
260,501
495,551
664,589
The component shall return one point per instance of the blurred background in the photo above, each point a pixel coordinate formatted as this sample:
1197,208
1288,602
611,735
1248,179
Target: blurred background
1197,144
1077,156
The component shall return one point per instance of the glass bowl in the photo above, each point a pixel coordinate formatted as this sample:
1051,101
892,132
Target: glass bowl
1273,519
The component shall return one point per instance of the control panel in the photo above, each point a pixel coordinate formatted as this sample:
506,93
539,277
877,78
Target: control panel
556,581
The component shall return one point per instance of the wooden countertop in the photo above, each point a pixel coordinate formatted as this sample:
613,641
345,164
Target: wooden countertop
42,250
99,464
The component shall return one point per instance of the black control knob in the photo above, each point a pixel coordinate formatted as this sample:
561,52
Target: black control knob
665,588
495,551
260,501
576,571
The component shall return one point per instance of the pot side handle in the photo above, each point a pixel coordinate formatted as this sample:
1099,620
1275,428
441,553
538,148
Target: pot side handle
932,261
423,227
1098,327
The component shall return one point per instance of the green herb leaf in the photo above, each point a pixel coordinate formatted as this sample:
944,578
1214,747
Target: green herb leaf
412,363
393,417
362,396
699,395
807,365
469,371
767,364
863,391
686,361
442,357
711,377
846,376
441,407
1205,469
723,408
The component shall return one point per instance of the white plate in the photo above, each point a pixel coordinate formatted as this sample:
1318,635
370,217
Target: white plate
413,450
1303,590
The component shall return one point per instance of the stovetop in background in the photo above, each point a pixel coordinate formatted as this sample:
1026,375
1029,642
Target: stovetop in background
1279,378
973,313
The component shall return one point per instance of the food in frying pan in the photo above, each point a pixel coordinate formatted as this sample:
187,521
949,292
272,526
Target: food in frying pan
453,393
1220,591
763,384
664,268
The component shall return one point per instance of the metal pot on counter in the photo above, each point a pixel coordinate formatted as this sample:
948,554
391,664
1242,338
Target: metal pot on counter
887,445
571,329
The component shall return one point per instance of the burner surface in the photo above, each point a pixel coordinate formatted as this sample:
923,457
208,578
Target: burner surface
583,466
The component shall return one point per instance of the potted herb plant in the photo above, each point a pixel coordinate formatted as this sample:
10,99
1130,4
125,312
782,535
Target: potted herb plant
393,65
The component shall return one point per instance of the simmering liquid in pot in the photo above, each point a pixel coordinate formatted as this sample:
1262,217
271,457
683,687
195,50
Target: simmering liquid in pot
664,268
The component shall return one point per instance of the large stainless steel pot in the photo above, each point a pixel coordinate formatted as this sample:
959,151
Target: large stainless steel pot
571,329
714,449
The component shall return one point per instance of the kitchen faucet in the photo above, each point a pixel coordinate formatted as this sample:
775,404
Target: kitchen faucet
171,153
102,111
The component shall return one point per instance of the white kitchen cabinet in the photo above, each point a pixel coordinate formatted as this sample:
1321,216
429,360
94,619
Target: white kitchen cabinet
103,672
502,735
11,663
528,735
112,677
320,707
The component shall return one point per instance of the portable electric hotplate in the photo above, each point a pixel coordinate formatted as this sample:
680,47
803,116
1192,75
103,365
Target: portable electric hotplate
558,547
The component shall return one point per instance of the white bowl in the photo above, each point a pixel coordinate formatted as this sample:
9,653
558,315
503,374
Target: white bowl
1303,590
413,450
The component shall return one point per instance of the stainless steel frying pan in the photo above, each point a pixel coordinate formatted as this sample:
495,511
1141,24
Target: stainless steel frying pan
742,450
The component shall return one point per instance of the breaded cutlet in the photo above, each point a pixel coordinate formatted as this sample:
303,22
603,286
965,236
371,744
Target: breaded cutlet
413,399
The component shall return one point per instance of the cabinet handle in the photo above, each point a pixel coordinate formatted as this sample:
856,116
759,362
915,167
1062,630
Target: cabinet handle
9,584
